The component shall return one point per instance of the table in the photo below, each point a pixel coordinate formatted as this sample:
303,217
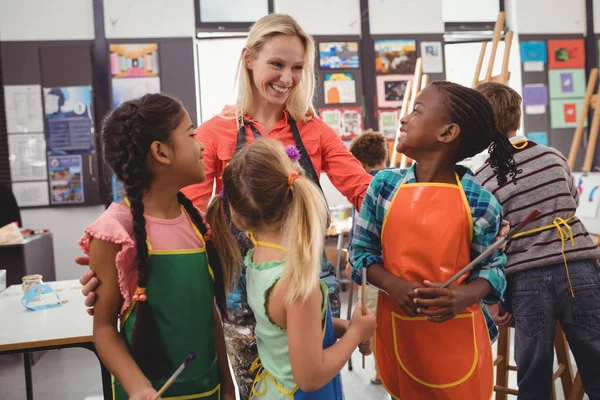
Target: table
34,256
25,331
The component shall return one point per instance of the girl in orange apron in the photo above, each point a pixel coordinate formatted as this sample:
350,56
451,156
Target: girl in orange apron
419,227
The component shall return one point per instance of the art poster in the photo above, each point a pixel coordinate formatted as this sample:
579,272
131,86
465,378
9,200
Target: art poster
589,194
27,157
69,118
133,60
535,95
395,56
338,55
391,90
346,122
433,61
564,113
23,105
118,190
125,89
533,55
389,123
66,179
538,137
566,83
566,53
340,88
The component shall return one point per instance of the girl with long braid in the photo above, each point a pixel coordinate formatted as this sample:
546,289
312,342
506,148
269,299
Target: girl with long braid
151,256
418,227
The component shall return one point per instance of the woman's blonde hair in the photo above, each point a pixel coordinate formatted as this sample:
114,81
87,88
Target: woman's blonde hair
261,197
299,103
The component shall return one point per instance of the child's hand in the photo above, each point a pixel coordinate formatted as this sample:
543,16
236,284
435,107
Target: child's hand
363,325
145,394
501,318
440,305
366,348
403,292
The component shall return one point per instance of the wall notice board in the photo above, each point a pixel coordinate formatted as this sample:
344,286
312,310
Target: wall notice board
50,131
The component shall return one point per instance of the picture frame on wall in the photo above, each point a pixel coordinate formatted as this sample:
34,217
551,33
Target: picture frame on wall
395,56
334,55
390,90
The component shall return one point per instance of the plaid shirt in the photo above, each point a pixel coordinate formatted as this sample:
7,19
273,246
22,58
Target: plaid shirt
487,220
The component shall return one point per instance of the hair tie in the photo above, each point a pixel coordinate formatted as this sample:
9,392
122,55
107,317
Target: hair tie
293,176
140,294
293,153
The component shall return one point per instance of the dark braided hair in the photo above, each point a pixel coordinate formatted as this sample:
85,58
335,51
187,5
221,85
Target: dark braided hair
470,110
127,134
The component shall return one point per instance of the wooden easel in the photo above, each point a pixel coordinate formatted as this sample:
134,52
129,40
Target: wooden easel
504,74
413,88
591,101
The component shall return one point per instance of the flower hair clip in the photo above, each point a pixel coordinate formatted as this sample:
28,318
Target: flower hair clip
292,153
140,295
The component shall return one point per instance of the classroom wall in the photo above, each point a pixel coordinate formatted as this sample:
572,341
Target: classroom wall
29,20
405,16
323,17
46,20
551,16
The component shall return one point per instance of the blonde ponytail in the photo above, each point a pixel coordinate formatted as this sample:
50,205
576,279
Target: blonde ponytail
305,232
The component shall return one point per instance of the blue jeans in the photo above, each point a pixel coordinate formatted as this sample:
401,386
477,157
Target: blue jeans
540,297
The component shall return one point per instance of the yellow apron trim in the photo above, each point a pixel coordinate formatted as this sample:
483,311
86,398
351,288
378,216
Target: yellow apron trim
431,385
563,234
403,318
431,184
196,396
255,242
521,144
184,251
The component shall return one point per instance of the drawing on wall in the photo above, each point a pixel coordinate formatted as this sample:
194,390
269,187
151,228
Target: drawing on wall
338,55
538,137
564,113
133,60
391,90
589,195
66,181
395,56
389,123
125,89
340,88
346,122
433,61
566,53
566,83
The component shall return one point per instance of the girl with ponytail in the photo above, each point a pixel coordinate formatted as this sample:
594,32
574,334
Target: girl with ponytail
285,216
161,277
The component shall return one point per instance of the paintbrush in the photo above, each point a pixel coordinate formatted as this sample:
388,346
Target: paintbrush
487,252
363,300
168,383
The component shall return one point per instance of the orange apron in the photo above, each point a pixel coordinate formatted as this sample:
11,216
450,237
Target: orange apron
427,234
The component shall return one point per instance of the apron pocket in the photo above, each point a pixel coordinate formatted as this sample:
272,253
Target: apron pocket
425,349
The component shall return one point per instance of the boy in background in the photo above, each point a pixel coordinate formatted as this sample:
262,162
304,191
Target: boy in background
552,270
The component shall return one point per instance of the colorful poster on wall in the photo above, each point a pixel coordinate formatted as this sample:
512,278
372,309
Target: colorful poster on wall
391,90
395,56
31,194
533,55
538,137
118,190
535,98
566,53
133,60
125,89
69,117
23,105
27,157
589,194
346,122
338,55
566,83
389,123
340,88
66,180
431,53
564,113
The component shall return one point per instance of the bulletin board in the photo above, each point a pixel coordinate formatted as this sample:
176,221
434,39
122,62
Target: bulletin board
395,60
50,123
554,82
339,95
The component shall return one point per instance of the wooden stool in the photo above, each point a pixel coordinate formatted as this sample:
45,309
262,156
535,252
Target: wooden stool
502,363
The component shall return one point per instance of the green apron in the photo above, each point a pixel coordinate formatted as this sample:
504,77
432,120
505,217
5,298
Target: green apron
180,291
